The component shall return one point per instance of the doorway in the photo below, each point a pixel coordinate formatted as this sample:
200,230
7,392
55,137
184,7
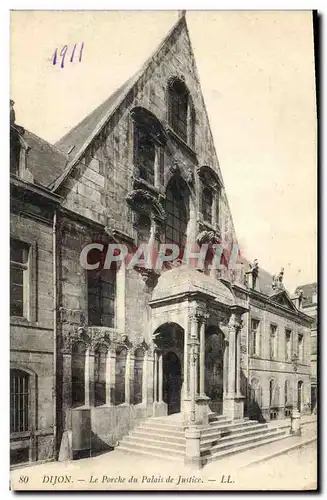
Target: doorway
172,382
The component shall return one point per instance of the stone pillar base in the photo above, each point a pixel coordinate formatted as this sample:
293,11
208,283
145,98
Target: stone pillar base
233,406
160,409
192,448
201,410
295,423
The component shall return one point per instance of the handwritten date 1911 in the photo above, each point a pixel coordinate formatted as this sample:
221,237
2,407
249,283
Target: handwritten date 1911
75,52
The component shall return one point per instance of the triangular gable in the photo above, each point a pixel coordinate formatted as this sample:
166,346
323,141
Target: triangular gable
94,122
283,298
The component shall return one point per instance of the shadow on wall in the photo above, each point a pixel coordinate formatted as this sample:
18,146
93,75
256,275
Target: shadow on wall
253,399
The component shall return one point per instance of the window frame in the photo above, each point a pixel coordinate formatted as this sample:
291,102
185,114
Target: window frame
32,401
99,294
273,329
288,344
30,285
255,352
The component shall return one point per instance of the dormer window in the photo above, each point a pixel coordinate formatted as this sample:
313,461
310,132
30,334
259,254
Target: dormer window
181,113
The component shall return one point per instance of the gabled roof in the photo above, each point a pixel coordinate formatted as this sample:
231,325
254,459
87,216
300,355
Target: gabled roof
282,297
84,133
79,135
45,161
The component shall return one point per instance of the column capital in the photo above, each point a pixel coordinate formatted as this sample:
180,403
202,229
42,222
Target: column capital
199,315
235,323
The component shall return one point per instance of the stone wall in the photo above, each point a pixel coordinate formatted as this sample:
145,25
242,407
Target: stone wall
31,341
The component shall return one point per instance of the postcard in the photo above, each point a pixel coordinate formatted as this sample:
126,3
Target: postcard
163,250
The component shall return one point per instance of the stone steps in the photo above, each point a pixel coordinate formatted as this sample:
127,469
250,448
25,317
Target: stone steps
232,434
217,455
164,437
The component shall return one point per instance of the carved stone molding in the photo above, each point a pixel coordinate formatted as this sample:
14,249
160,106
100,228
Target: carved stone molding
208,237
148,275
209,177
142,201
235,323
75,335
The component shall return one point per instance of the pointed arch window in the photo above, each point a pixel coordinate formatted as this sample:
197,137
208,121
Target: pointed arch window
181,113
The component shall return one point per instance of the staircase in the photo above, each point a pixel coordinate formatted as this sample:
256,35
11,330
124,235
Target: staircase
163,438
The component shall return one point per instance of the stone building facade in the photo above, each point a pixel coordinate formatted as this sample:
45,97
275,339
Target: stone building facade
309,305
108,347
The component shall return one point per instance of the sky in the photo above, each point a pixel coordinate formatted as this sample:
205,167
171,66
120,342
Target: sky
257,76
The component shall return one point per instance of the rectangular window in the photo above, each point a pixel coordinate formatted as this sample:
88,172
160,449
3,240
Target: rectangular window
19,401
101,297
300,348
19,278
254,337
273,341
288,345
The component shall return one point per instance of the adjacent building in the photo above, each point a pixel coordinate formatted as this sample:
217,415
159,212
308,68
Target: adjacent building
103,348
309,305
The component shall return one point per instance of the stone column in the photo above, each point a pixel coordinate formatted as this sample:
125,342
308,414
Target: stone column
129,372
193,377
202,357
186,387
231,359
110,377
89,377
145,378
226,370
155,377
238,361
160,368
233,404
194,335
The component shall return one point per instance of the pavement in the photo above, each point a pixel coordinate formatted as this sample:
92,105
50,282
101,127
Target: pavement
286,464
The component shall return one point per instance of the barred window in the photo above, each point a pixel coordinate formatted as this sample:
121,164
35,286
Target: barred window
19,267
19,400
101,297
